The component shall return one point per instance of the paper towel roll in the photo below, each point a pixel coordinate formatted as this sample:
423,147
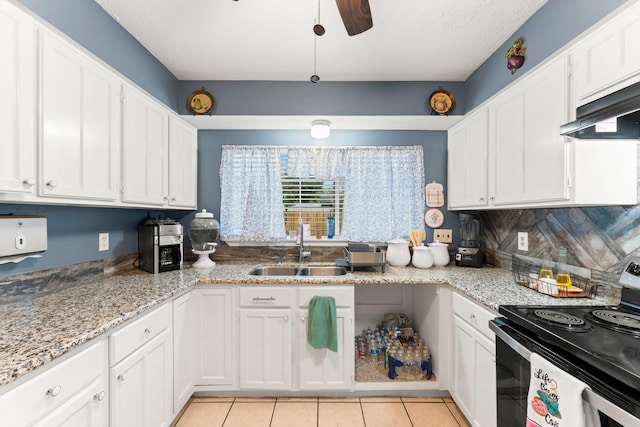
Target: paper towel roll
17,258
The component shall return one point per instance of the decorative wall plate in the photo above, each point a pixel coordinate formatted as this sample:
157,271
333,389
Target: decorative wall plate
433,217
434,194
200,102
441,102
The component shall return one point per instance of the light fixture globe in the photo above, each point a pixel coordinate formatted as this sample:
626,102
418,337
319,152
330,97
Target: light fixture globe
320,129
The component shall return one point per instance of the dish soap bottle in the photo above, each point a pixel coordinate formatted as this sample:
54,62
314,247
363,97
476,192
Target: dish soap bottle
545,270
563,278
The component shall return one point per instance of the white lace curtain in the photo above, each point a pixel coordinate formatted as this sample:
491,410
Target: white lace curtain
383,198
251,207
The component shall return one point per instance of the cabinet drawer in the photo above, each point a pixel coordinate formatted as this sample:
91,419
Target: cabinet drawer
41,395
267,297
342,294
473,314
131,337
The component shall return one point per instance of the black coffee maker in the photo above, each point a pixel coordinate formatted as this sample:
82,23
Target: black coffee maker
469,252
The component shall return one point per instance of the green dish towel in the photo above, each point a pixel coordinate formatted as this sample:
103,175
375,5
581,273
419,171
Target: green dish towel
322,329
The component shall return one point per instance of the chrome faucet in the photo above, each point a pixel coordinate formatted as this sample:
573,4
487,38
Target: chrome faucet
302,254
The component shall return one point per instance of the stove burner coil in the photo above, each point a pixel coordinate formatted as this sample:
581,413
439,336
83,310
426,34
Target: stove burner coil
559,318
618,319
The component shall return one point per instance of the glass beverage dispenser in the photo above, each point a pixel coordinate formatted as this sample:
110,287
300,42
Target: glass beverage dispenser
204,232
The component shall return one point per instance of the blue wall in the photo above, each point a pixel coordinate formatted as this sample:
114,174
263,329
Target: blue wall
434,144
273,98
93,28
550,28
73,230
73,233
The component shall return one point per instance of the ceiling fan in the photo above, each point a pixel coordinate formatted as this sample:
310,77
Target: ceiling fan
356,15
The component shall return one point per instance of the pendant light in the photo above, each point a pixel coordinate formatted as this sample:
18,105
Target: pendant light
318,30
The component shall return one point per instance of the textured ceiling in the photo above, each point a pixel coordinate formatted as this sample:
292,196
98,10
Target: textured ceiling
421,40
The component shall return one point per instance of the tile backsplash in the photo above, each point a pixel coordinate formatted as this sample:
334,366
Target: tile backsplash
601,239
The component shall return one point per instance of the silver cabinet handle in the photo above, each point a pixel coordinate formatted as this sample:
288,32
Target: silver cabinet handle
263,299
31,181
52,183
302,319
173,199
147,331
481,199
122,376
54,391
492,198
286,318
472,317
99,396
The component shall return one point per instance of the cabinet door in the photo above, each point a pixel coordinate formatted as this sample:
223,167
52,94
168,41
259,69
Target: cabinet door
463,389
88,408
144,149
485,383
265,349
64,392
322,369
608,59
467,159
79,124
141,386
183,164
474,375
18,100
529,155
215,338
184,349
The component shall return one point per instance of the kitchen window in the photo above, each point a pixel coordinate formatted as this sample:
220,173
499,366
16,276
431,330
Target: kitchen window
375,193
311,200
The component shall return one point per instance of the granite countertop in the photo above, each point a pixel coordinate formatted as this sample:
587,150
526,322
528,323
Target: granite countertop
37,329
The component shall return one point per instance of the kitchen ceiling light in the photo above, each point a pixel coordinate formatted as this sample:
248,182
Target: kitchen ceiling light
320,129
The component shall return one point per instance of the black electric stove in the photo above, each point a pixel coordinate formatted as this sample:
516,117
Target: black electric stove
600,345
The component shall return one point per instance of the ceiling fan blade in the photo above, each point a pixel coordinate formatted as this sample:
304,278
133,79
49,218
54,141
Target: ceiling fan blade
356,15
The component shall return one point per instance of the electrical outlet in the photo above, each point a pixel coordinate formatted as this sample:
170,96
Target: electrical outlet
442,235
103,242
523,241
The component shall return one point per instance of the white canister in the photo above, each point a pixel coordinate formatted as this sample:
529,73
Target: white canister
440,254
398,252
422,257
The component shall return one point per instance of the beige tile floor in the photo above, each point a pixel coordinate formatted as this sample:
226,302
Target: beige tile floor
322,412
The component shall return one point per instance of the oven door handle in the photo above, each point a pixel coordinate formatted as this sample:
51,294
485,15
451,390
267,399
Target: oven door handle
597,401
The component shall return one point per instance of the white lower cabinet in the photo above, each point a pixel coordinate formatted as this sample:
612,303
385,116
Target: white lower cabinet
184,345
215,338
322,369
141,386
72,393
266,319
274,352
474,371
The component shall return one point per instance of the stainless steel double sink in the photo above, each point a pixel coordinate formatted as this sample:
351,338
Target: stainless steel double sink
298,270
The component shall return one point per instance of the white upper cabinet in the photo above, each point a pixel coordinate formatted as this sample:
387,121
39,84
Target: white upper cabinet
183,163
509,152
74,131
468,143
18,100
527,154
607,59
79,124
144,149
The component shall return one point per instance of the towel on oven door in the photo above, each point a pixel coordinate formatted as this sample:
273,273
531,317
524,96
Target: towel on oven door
555,398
